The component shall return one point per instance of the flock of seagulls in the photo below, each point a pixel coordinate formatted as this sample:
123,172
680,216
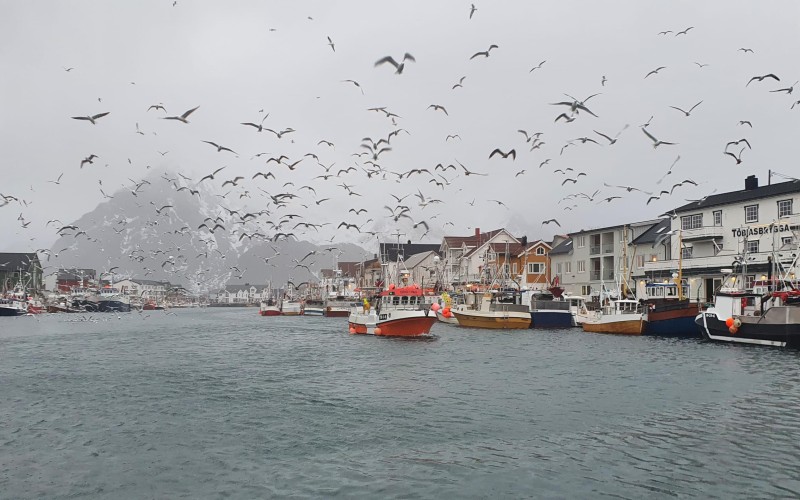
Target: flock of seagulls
287,186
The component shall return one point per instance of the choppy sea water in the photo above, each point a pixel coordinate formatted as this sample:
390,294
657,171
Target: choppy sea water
217,403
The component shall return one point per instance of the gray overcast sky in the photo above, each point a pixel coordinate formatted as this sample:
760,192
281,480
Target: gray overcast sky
236,58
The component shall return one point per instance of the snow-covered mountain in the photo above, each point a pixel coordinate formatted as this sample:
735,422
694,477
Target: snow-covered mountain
158,228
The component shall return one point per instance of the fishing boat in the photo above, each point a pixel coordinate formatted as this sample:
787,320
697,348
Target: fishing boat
547,311
112,300
620,316
269,308
669,311
290,306
766,314
339,298
577,308
314,307
397,311
12,307
494,309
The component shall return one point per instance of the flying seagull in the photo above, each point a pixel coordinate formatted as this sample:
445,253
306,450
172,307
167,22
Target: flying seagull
397,66
760,78
439,107
737,158
511,152
183,117
220,148
656,142
472,10
690,109
91,118
548,221
484,53
330,42
655,71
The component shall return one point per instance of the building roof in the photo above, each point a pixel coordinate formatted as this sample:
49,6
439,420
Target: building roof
416,259
513,248
390,250
474,240
562,248
11,262
629,224
651,235
767,191
238,288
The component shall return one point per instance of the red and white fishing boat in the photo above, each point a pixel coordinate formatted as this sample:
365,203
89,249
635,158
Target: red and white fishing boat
396,311
269,308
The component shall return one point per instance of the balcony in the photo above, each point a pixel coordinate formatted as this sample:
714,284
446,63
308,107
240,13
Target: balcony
608,275
703,233
594,275
594,250
608,248
716,262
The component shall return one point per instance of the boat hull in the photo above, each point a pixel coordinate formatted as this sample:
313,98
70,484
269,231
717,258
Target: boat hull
551,319
473,319
270,312
337,312
11,311
764,330
313,311
619,327
409,325
673,320
113,306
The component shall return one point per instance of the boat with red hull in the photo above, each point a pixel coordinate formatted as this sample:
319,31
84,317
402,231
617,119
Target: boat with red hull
395,312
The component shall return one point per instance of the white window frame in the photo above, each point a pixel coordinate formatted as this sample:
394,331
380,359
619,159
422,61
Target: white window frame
540,251
694,221
686,252
586,290
717,217
581,266
559,268
784,208
567,267
787,240
532,268
639,261
750,214
750,245
581,241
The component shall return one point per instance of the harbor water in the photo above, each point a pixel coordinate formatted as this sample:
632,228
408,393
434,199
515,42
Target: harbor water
213,403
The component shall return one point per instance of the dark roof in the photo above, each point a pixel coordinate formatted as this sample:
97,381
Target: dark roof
653,233
513,248
564,248
391,250
17,261
743,195
349,270
629,224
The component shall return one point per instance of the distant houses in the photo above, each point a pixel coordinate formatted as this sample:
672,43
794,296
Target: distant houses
20,268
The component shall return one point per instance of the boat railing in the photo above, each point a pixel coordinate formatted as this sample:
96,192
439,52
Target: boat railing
555,305
499,306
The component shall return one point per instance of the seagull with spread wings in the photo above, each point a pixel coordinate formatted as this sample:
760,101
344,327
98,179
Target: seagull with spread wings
397,66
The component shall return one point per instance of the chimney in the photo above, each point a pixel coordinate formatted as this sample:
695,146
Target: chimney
409,242
750,183
477,232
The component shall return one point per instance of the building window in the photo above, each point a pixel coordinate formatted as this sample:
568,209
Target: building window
558,268
751,213
692,221
784,208
586,290
536,268
717,246
718,217
640,261
581,266
752,246
581,241
506,269
787,240
540,251
567,267
514,268
686,252
749,280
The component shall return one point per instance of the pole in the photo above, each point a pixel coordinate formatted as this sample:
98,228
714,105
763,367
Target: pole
680,264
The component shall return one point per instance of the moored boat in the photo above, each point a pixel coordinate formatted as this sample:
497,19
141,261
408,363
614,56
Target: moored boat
668,313
111,300
622,316
12,307
494,310
314,307
547,311
269,308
